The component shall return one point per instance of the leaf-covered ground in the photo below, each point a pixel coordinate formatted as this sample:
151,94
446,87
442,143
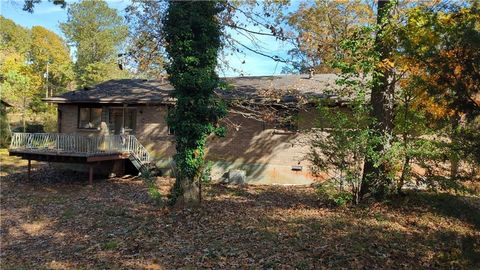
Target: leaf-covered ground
56,221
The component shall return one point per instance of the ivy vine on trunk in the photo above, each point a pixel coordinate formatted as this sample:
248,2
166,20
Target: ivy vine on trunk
193,39
376,179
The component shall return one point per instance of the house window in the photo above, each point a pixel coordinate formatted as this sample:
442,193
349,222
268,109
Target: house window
89,118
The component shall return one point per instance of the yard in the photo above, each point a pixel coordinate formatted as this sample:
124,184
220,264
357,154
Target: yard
57,221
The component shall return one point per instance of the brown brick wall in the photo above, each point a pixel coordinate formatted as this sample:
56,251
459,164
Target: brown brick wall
267,154
152,131
69,118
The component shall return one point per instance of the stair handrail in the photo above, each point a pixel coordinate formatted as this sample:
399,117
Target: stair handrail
137,150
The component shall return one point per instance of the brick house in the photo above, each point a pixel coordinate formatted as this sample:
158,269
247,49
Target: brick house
270,151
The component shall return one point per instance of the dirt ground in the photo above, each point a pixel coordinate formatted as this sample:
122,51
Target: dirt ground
57,221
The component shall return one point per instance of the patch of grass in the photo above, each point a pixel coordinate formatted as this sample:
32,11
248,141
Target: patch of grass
379,217
239,192
155,194
68,214
329,192
55,199
268,236
316,226
301,265
270,265
110,245
10,164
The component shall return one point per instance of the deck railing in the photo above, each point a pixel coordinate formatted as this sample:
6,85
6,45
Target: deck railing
73,143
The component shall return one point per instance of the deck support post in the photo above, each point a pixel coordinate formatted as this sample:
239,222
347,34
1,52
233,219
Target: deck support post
90,175
29,168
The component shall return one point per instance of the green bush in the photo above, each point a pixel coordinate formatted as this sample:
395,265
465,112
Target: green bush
152,189
334,195
206,176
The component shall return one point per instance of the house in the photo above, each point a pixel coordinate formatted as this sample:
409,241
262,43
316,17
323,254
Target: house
265,125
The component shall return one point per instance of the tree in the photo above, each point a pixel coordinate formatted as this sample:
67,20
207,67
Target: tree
320,27
341,145
29,5
192,34
20,82
51,59
146,48
25,57
97,32
13,37
444,44
376,179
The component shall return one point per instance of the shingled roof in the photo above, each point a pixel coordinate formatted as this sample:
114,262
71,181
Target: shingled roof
137,91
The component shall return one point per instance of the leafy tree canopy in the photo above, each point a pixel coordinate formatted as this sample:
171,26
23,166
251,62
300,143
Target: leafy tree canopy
97,32
321,26
13,37
444,46
49,49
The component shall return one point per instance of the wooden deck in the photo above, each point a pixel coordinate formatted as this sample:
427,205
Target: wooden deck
70,148
66,157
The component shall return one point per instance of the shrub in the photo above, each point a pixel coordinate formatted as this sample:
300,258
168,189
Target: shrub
152,190
333,194
341,148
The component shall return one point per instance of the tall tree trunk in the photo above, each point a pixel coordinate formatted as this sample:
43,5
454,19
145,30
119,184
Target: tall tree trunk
375,180
454,159
405,174
23,114
192,34
406,168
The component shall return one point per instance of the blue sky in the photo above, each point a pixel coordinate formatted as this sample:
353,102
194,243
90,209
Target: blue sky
49,16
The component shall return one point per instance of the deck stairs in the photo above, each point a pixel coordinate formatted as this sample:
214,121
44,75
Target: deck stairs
139,155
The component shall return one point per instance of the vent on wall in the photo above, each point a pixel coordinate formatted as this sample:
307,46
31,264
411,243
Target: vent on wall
297,168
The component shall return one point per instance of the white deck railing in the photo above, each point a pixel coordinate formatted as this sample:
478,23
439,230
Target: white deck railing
78,144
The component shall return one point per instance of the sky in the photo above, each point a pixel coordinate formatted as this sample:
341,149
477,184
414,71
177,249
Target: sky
49,16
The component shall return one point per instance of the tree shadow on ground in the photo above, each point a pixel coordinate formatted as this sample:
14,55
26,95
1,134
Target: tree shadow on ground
464,208
398,234
338,242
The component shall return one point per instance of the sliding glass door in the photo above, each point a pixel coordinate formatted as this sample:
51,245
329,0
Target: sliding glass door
122,120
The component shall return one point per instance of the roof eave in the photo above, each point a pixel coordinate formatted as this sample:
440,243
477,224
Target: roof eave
59,100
